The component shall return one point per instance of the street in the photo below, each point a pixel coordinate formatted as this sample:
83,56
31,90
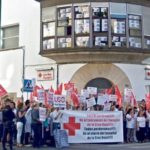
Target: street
143,146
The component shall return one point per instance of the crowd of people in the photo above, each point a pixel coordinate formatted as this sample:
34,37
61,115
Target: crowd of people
137,123
20,123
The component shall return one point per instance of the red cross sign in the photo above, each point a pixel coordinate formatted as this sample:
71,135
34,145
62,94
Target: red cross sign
71,126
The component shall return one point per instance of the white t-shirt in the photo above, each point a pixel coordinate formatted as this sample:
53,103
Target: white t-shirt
130,121
54,115
141,121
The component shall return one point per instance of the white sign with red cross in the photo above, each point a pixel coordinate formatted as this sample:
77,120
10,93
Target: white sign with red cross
147,74
93,126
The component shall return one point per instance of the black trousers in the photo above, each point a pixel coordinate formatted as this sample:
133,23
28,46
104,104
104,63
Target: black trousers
141,134
37,139
1,131
6,131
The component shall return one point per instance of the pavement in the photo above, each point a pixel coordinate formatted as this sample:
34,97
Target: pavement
132,146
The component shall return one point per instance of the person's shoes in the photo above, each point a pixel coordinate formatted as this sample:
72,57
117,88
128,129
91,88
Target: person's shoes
28,145
19,145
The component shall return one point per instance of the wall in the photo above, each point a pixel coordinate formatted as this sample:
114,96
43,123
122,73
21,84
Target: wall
26,13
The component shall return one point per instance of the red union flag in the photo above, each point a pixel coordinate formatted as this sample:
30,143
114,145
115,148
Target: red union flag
69,86
3,92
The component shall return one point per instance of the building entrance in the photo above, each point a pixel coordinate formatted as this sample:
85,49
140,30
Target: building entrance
101,83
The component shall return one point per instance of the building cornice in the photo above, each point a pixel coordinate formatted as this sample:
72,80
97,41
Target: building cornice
63,2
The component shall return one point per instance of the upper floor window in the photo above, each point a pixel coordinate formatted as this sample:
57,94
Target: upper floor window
96,24
10,37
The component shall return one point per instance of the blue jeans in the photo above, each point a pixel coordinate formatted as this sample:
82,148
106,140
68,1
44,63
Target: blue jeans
56,125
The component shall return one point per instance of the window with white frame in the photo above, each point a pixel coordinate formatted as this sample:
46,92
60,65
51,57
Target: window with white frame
10,37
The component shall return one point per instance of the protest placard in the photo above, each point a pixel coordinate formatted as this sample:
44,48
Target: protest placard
42,113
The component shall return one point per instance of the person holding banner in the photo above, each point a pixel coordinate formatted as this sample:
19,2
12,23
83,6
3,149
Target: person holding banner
56,116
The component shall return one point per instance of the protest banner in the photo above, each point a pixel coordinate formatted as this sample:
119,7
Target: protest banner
107,106
102,99
92,90
59,101
112,98
85,93
82,98
42,113
50,97
129,97
93,126
127,94
41,95
91,102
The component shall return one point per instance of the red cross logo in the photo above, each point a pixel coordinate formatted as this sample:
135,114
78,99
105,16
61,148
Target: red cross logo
71,126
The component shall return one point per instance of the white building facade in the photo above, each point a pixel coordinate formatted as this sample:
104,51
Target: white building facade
26,15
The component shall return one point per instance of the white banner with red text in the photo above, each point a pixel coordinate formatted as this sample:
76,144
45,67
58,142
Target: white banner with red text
93,126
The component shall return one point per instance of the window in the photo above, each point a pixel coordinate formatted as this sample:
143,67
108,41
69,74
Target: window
64,42
49,44
146,25
100,41
49,27
48,14
147,42
82,41
100,24
118,24
118,28
135,31
64,26
10,37
95,24
82,25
